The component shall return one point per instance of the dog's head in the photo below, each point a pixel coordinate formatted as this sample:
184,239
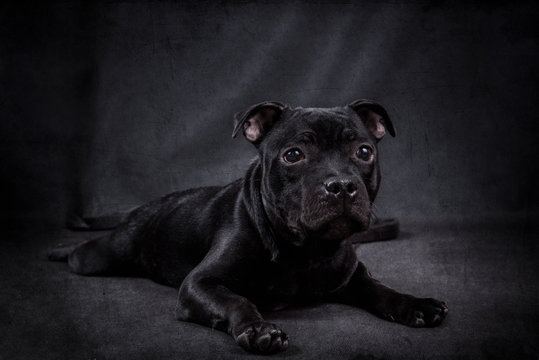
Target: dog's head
320,169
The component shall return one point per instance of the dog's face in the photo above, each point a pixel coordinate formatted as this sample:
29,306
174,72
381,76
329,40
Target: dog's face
320,166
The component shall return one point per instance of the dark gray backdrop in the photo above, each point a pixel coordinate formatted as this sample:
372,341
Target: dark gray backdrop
106,106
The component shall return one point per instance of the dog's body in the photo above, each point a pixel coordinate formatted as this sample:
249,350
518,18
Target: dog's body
278,236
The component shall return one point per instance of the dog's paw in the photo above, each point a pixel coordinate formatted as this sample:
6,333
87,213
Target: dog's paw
426,312
263,338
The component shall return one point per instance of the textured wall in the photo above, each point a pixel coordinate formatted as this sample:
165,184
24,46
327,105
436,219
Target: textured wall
107,106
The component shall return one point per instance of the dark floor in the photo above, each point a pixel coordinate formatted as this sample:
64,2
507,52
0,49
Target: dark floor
486,272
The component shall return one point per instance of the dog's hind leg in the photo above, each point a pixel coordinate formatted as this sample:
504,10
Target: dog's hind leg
101,256
93,257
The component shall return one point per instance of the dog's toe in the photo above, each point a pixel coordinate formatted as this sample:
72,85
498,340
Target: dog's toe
418,319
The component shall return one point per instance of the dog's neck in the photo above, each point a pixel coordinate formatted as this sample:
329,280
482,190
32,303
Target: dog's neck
281,243
255,208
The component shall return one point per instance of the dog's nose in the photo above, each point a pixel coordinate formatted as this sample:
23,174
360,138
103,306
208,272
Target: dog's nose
339,187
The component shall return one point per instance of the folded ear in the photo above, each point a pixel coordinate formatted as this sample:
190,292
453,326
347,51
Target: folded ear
257,120
374,116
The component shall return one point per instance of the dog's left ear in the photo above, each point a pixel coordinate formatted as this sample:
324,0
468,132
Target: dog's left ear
257,120
374,116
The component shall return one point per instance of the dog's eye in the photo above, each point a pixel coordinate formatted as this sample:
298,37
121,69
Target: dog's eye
293,156
364,152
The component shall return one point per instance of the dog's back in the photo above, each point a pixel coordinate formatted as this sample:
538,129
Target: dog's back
163,239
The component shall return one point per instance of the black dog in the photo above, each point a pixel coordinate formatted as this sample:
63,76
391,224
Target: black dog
279,236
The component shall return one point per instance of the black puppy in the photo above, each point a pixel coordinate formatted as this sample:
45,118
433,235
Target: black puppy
279,236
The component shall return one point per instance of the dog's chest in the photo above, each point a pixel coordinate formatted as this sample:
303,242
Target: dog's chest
284,284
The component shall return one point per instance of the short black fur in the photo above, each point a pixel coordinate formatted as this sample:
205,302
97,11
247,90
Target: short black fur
278,237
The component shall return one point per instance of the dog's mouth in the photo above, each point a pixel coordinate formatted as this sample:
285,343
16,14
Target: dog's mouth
328,221
338,227
337,222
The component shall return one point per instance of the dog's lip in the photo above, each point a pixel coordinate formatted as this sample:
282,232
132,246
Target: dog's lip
343,218
355,218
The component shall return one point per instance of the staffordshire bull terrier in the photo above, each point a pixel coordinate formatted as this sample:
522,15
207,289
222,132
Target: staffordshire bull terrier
277,237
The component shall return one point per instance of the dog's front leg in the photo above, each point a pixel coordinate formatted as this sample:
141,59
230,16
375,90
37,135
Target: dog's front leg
368,293
208,301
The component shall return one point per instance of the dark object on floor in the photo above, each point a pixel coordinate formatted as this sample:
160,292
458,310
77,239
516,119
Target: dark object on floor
280,236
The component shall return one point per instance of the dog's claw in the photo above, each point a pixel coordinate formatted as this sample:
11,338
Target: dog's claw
264,338
416,312
428,312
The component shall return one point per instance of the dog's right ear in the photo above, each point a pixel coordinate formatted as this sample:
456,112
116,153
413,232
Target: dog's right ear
257,120
374,116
